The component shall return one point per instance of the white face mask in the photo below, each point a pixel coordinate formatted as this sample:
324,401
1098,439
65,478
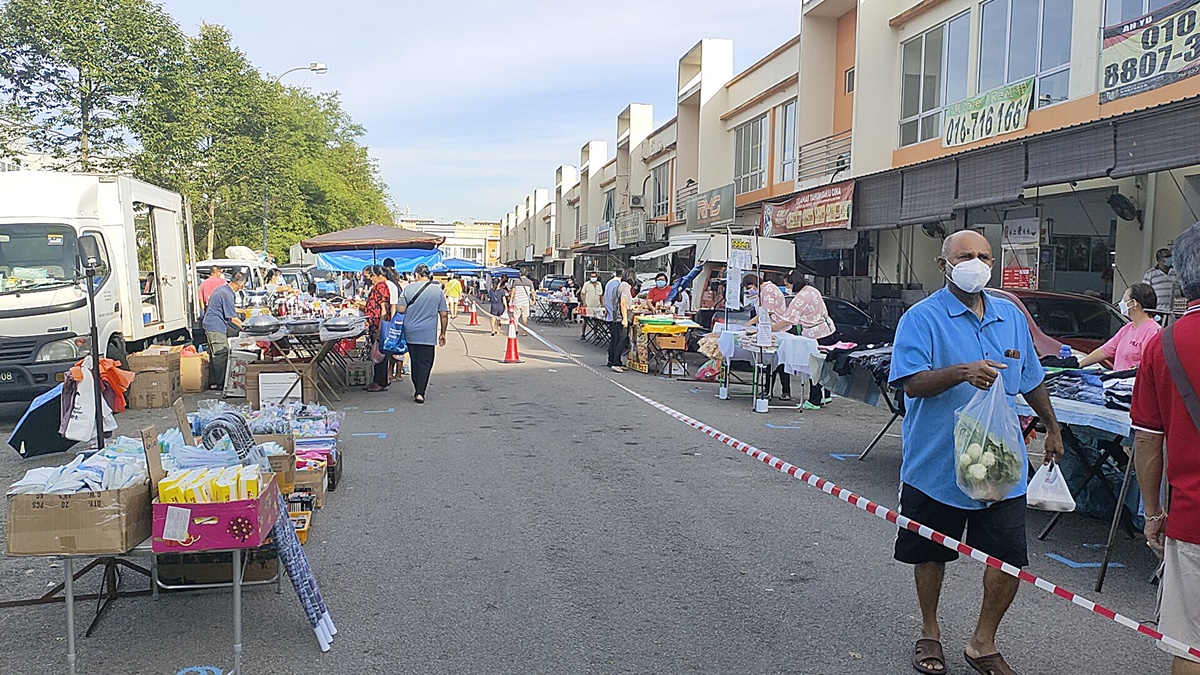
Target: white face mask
971,276
1123,307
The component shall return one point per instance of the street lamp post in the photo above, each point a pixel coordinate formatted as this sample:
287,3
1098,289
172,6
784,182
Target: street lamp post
314,67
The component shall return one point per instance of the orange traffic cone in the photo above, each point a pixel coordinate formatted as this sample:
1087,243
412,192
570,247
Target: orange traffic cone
510,352
474,315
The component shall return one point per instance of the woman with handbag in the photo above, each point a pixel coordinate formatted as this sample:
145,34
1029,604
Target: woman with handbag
426,317
379,308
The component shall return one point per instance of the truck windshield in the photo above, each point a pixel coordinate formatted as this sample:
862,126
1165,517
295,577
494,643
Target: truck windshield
36,256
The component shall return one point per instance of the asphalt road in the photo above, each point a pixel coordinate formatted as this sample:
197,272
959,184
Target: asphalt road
535,518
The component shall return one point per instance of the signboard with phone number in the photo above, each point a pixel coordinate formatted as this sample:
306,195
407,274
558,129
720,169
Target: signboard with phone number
992,114
1150,51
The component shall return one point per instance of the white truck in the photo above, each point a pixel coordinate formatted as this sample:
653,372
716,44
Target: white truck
143,287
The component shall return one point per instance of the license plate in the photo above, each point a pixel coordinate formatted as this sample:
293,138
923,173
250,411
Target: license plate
10,376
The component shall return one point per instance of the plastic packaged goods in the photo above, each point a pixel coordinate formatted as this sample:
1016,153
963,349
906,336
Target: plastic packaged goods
989,461
84,474
211,486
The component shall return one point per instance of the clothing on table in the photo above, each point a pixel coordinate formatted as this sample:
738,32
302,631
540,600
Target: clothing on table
376,299
218,350
591,295
1078,385
1118,392
939,332
421,359
208,286
1158,408
618,342
523,293
877,360
221,309
424,303
1165,285
1125,348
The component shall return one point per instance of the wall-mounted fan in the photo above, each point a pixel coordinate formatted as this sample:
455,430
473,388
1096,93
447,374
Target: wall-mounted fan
1124,207
934,230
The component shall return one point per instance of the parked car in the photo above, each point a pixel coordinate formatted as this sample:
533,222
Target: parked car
851,324
1080,321
553,282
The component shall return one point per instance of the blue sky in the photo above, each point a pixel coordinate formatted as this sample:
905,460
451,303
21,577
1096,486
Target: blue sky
470,105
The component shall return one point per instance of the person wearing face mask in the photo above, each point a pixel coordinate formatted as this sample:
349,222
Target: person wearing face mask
949,346
657,295
1125,348
1162,279
591,299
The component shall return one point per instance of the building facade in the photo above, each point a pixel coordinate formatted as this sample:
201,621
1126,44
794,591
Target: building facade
1060,129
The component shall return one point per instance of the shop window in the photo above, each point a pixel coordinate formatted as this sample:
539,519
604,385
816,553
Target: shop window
1020,39
610,206
1120,11
787,142
850,81
933,74
750,156
661,189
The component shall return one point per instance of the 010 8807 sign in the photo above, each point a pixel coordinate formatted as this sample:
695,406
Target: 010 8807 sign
1150,51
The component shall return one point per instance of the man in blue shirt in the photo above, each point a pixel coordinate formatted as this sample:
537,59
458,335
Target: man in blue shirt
950,345
218,315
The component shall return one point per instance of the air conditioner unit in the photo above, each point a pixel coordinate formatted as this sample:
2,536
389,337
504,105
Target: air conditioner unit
637,202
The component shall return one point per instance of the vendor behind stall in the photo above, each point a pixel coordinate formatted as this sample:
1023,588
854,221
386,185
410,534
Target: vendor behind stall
659,292
1125,348
806,310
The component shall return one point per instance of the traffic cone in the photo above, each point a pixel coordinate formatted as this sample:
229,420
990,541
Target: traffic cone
510,351
474,315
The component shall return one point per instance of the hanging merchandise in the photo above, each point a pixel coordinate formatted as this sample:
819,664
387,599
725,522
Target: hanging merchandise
82,425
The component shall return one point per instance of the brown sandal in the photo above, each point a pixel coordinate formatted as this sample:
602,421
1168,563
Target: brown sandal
929,650
992,664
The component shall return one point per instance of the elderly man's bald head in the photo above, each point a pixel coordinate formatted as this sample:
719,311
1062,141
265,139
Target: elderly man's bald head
965,245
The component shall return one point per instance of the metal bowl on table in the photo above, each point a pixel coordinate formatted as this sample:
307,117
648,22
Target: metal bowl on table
303,326
260,324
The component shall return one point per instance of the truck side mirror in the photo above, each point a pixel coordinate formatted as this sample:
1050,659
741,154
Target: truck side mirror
89,251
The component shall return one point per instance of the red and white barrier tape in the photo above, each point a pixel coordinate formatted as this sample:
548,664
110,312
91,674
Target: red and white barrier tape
888,514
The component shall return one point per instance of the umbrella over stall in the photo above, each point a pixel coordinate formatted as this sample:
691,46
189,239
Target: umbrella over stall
372,238
37,431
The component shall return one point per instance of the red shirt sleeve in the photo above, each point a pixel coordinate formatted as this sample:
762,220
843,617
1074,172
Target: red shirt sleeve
1145,412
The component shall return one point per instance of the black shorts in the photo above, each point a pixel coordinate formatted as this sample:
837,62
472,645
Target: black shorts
998,530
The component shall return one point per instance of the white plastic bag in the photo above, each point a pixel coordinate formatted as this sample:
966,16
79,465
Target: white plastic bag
1048,490
82,425
989,456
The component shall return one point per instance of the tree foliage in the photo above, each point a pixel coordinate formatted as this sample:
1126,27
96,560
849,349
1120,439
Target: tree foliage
116,85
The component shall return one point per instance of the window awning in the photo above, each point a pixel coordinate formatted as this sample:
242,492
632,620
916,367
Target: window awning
928,192
1078,154
991,176
877,202
660,252
1158,142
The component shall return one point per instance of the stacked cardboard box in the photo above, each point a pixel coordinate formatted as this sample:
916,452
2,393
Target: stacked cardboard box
194,371
157,382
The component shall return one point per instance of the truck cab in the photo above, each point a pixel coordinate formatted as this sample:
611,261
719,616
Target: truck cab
142,286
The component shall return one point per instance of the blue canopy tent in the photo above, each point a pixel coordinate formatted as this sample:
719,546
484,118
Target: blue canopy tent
406,259
457,266
503,272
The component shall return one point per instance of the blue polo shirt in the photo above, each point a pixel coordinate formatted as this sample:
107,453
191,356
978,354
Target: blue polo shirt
938,332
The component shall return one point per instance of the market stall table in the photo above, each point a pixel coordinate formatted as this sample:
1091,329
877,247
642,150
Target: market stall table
307,354
656,343
1107,420
550,310
860,380
793,352
596,330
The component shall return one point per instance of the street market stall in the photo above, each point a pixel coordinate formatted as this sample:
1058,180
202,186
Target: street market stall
861,374
657,343
765,353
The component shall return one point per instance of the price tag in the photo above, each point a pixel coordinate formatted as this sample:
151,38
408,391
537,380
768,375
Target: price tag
176,527
763,339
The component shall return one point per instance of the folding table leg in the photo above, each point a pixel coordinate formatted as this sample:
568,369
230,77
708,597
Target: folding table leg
879,436
1112,528
69,590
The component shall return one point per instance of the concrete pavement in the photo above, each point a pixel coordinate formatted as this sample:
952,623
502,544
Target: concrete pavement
534,518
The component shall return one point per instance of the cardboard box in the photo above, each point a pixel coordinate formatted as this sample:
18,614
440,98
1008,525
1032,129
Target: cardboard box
284,466
260,564
194,373
155,358
153,389
306,388
245,523
315,480
87,523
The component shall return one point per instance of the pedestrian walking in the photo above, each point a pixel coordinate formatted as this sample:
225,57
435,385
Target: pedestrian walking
1163,280
425,320
618,293
219,314
1166,408
497,302
379,307
591,299
454,291
948,346
520,298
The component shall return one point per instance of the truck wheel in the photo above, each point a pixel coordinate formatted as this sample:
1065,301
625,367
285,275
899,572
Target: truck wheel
116,352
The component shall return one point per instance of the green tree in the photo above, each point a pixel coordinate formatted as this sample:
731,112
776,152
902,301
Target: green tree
75,74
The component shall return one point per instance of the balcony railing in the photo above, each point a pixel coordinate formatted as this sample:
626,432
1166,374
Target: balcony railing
558,240
654,232
682,195
824,156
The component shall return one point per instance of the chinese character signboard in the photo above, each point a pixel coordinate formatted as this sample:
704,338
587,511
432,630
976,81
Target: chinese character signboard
1150,51
824,208
629,227
997,112
712,209
1020,253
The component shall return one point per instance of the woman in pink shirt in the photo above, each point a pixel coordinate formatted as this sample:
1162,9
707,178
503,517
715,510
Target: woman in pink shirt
1125,348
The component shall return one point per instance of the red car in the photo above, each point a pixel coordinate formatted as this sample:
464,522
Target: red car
1081,321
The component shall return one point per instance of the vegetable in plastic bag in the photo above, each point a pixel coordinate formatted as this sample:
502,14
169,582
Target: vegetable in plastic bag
1048,490
989,461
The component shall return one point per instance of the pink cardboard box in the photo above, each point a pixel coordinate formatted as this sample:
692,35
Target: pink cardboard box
245,523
